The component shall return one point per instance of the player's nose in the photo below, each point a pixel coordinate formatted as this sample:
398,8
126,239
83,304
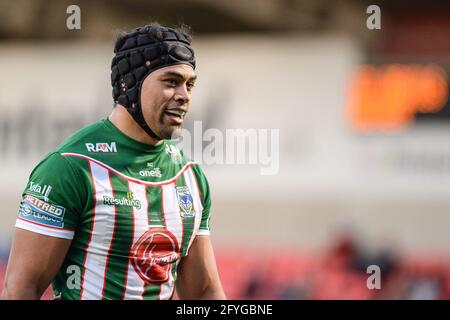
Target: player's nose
182,95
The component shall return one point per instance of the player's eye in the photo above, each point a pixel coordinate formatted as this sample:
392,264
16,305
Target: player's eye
171,82
190,85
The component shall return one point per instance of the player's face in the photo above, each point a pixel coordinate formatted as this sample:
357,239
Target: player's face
165,98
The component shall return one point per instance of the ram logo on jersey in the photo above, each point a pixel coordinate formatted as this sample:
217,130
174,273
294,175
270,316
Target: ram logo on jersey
102,147
174,153
172,150
42,212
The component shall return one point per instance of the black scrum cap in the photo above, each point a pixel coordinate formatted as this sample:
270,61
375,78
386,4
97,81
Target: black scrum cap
139,53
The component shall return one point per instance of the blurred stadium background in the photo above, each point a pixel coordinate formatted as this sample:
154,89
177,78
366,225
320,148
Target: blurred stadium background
364,119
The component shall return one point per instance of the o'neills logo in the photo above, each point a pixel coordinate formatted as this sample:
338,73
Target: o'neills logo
151,173
122,201
153,254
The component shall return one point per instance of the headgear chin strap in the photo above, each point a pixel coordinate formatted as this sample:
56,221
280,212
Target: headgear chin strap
139,53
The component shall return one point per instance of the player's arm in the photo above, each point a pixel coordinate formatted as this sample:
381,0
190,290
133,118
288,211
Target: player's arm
33,263
48,216
198,277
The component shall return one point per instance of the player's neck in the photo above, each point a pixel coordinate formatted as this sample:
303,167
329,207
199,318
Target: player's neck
125,123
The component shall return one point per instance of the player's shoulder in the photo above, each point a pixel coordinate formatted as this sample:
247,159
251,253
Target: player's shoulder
187,160
176,153
51,164
67,158
89,139
179,156
54,171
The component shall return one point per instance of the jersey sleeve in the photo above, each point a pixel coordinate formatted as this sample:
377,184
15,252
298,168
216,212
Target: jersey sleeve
53,199
205,195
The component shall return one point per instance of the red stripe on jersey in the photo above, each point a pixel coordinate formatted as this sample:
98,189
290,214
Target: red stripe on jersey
162,207
180,246
112,239
165,224
182,233
148,224
131,246
90,235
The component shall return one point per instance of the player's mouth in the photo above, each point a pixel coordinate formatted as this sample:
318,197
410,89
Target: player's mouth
175,116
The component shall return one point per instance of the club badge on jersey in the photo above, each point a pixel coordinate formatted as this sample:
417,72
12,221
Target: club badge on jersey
185,202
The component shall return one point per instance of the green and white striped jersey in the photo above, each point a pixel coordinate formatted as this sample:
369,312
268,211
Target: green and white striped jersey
132,211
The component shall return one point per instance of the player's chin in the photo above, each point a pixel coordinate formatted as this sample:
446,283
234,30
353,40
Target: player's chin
171,132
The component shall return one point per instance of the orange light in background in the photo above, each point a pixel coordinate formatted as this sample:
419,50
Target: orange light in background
388,97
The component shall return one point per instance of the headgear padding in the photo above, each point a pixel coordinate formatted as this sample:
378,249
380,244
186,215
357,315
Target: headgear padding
137,54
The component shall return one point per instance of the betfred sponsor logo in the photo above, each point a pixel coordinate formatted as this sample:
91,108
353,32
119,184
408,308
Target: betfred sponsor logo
102,147
151,173
42,212
51,209
153,254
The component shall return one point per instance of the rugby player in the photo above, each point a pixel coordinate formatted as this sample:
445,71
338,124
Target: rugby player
117,211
